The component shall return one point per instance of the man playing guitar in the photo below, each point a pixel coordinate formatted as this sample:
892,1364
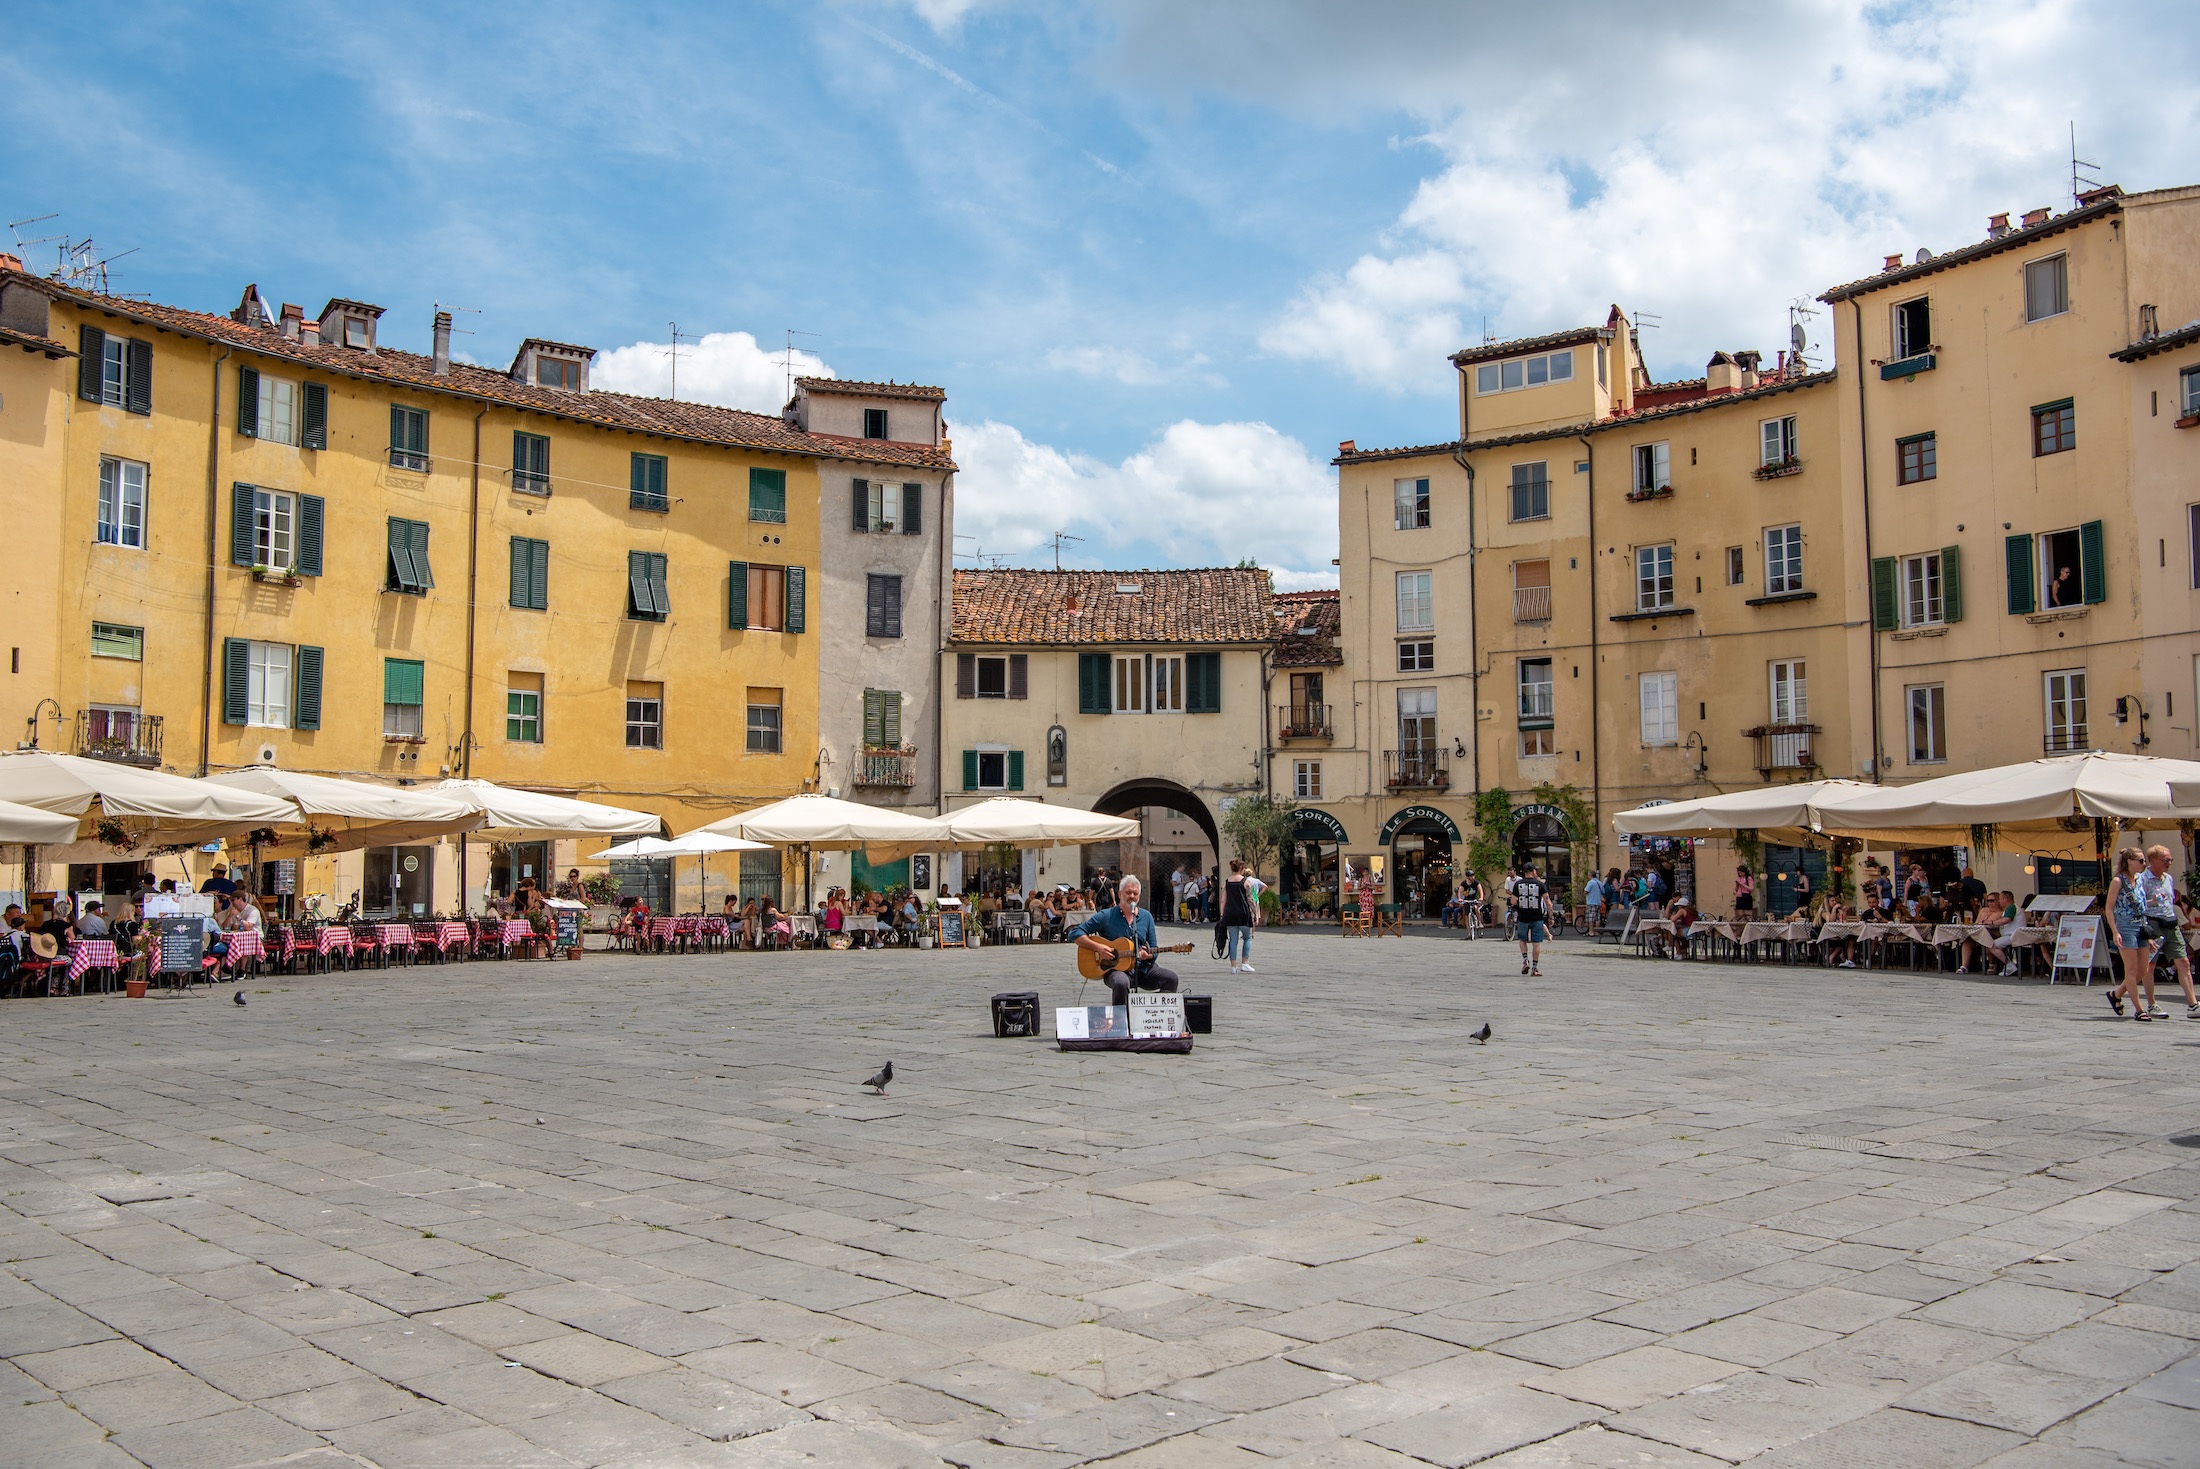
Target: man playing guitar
1126,921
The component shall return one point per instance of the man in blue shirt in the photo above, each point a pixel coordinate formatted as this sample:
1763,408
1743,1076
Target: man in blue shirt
1126,921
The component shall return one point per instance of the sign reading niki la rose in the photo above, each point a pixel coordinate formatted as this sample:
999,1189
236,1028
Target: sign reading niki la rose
1157,1015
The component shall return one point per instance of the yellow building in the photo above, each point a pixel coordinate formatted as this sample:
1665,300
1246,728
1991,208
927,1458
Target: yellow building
281,540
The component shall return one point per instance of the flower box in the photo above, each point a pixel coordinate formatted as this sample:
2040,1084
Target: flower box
1661,492
286,576
1780,469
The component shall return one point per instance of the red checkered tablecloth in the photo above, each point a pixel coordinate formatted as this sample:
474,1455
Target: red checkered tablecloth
443,935
244,944
717,926
517,931
329,940
92,954
394,935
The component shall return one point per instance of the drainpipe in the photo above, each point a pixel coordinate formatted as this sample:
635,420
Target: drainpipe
473,574
1596,745
1863,432
939,653
213,559
1267,747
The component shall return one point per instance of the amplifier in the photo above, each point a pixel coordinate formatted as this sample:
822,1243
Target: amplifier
1016,1013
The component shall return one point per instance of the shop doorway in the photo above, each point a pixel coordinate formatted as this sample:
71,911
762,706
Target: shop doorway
400,882
1541,840
1420,868
1672,858
1310,874
512,861
1781,866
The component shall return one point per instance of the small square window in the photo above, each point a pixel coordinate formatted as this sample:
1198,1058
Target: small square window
1417,657
523,709
1411,504
408,438
764,730
113,640
2046,287
2188,392
1306,780
2054,428
1736,566
645,716
874,423
1538,742
646,483
1917,458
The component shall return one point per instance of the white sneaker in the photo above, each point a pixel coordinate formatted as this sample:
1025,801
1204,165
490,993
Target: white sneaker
2008,970
1245,969
1233,969
1848,963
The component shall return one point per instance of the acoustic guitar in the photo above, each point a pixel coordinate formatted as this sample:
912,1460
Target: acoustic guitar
1092,966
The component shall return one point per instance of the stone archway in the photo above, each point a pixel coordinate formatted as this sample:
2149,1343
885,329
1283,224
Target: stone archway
1156,791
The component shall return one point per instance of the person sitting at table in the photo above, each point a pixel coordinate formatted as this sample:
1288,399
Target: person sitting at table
774,929
836,917
572,889
1837,912
1995,914
1681,913
93,925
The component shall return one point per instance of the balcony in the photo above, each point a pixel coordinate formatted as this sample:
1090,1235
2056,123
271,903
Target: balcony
1302,722
2068,739
124,739
1907,367
1784,749
1422,768
1536,704
1531,604
881,765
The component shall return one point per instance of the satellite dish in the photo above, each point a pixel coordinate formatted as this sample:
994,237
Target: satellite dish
1796,339
1922,255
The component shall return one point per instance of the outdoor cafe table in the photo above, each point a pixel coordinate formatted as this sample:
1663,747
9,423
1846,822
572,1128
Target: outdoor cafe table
244,944
330,939
442,937
515,931
392,936
89,954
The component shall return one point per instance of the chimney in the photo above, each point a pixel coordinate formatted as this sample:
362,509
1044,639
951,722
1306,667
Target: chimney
2034,216
1748,361
309,332
1997,225
2150,323
293,316
443,344
10,262
1894,262
1723,374
1348,446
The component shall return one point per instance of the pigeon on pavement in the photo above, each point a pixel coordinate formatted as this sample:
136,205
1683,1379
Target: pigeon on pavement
238,997
1482,1036
877,1084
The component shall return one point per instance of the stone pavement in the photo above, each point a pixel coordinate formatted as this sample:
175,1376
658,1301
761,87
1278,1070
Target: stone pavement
637,1212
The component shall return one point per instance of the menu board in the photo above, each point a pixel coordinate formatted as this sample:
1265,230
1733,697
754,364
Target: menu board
2075,941
951,929
182,945
568,921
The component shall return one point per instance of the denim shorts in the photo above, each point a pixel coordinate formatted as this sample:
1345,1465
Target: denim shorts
1535,932
2129,933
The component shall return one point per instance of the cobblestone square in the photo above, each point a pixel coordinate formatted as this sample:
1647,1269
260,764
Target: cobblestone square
639,1212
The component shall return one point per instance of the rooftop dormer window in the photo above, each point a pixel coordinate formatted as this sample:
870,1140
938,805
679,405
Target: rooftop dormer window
1524,372
550,372
559,365
350,324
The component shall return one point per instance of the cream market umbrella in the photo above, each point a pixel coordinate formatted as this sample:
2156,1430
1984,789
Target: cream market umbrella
346,815
2186,793
1781,810
28,826
513,815
2059,806
1012,821
701,845
141,809
828,824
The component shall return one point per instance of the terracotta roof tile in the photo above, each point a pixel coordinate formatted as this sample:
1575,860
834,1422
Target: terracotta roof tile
32,343
854,389
703,423
1307,626
1573,337
2169,341
1224,604
2016,239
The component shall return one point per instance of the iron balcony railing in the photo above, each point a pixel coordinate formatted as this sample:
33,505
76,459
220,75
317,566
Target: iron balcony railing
1784,747
1303,722
2068,739
1531,604
1536,703
878,766
123,738
1417,768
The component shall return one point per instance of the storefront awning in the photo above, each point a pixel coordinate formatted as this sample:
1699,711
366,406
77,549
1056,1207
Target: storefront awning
1310,825
1400,819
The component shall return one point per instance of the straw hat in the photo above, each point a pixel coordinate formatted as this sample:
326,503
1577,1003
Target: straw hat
44,945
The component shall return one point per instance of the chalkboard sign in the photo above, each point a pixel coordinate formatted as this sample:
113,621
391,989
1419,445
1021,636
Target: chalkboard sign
182,945
568,921
951,929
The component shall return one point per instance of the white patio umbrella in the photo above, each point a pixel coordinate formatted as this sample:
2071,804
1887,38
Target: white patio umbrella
345,815
2049,806
30,827
828,824
1012,821
510,814
1780,811
701,845
148,808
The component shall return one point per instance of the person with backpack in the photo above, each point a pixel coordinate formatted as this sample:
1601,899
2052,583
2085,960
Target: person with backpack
1530,914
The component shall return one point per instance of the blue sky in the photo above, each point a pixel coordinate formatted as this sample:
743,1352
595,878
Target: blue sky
1162,260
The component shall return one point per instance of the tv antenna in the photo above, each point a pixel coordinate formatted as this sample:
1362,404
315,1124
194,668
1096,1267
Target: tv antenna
1650,319
673,352
1059,537
77,262
2079,183
1798,339
464,331
792,333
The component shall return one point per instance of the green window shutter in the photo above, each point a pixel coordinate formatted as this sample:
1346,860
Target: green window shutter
1092,684
912,509
523,561
863,505
970,769
236,655
1203,683
139,378
313,419
637,584
1951,583
248,402
1886,612
891,718
307,714
312,512
1019,675
2093,562
646,482
798,599
402,576
539,576
240,525
874,717
737,594
421,569
768,496
404,681
91,367
2023,587
659,592
1015,770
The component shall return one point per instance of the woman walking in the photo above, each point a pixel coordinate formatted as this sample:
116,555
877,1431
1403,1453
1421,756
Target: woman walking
2128,917
1237,916
1745,895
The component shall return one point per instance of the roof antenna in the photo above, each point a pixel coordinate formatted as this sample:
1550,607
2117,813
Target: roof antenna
673,352
2079,183
464,331
77,263
1059,537
792,333
1798,339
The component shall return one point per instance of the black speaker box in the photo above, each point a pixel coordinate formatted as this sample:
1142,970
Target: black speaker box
1199,1014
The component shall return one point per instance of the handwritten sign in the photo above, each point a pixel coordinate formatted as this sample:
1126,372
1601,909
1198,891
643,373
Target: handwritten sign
951,929
1157,1015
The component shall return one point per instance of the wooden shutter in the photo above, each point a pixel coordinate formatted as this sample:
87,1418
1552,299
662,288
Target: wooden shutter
874,717
1015,770
538,575
2023,587
863,505
637,584
970,770
240,525
1886,608
890,717
912,509
138,378
737,594
893,606
248,402
421,568
403,576
2092,562
660,592
637,483
306,713
523,566
1951,583
874,607
1019,676
91,366
1203,683
313,417
798,607
966,677
404,681
312,514
236,680
1092,684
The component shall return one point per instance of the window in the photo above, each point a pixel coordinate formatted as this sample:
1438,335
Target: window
530,574
408,560
111,729
1541,741
1916,458
646,483
274,529
1923,604
764,721
358,332
1417,657
2192,539
2046,287
1306,780
1653,468
874,423
2054,428
1600,365
882,718
882,607
1661,708
1416,602
1532,591
531,463
408,439
768,496
1168,685
1009,678
1913,328
993,770
648,599
1412,503
557,372
1783,560
267,685
1653,578
2188,392
404,693
1736,566
1790,692
2066,729
275,414
645,716
1524,372
884,505
1130,684
114,371
122,503
113,640
523,709
1928,723
1417,723
2070,567
1777,442
1531,491
767,597
1536,703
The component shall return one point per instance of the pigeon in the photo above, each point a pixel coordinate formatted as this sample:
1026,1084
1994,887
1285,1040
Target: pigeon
877,1084
1482,1036
238,997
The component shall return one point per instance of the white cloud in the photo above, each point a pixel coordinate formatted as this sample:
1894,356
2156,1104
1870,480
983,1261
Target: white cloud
727,368
1201,494
1126,366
